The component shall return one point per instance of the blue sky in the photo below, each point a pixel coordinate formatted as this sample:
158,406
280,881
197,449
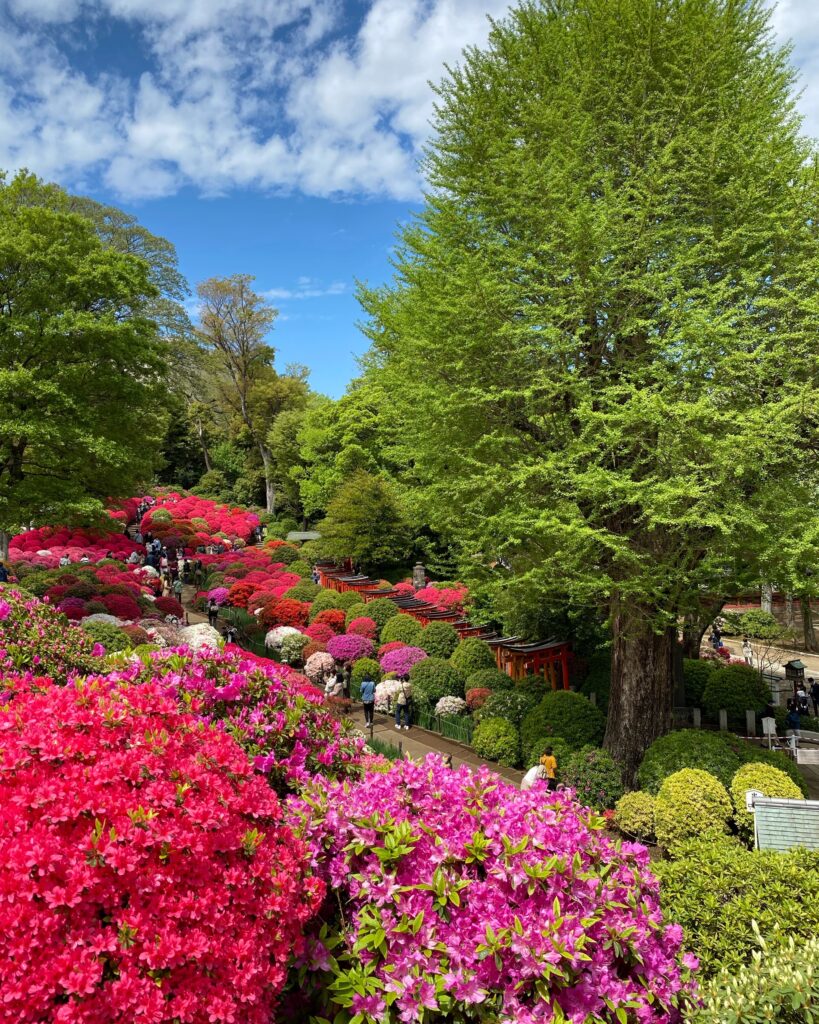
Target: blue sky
278,138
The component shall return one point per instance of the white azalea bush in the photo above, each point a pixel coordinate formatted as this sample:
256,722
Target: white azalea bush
451,706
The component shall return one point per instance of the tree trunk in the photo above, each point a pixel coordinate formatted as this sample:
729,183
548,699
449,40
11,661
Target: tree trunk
766,598
641,701
200,433
695,625
807,624
789,616
269,486
5,540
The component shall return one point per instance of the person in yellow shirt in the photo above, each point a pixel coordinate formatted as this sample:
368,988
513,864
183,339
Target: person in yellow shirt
549,764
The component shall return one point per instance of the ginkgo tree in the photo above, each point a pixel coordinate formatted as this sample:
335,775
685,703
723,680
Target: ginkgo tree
602,329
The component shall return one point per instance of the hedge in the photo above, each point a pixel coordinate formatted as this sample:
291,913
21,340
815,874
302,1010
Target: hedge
432,679
767,780
471,655
635,816
691,804
566,714
595,777
495,739
439,639
403,628
735,689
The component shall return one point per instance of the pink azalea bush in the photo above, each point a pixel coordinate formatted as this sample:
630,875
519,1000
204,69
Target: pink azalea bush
138,850
364,626
465,898
400,661
349,647
445,599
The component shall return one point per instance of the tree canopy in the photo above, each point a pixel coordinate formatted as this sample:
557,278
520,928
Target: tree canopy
81,362
602,326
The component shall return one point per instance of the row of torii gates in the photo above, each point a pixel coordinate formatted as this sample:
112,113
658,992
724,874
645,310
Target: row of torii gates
550,658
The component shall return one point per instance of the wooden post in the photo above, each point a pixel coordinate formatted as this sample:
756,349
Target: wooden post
723,721
697,715
750,723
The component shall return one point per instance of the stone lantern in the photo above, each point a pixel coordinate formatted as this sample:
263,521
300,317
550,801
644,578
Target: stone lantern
419,576
795,674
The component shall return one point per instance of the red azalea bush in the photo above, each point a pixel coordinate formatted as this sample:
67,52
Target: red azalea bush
476,697
404,589
137,848
333,617
169,606
393,645
364,626
240,593
320,632
121,606
285,613
73,608
446,599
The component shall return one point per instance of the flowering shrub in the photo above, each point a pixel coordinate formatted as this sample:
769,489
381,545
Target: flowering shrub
450,706
293,647
395,645
35,637
219,594
595,778
332,617
123,818
387,691
169,606
275,637
476,697
317,664
286,613
446,599
401,661
363,626
454,908
349,647
320,632
73,608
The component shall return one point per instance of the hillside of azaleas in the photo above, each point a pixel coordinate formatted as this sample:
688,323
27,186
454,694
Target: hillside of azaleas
189,833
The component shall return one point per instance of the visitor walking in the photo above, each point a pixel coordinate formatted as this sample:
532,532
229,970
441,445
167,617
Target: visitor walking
402,706
346,679
813,686
747,651
177,589
213,612
368,699
4,573
64,561
549,764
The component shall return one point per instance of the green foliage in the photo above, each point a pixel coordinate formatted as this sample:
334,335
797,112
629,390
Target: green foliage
434,678
306,590
691,804
365,522
404,628
598,679
471,655
385,749
716,890
490,678
767,780
513,705
560,750
292,647
287,554
324,601
495,739
349,599
696,673
110,636
381,610
566,714
594,775
439,639
635,816
66,292
756,623
735,689
355,611
780,984
623,423
365,667
721,754
301,568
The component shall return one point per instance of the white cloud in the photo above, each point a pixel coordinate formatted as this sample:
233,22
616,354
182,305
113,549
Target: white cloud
265,94
306,288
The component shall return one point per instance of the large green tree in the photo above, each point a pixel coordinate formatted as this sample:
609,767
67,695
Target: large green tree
365,522
81,363
602,332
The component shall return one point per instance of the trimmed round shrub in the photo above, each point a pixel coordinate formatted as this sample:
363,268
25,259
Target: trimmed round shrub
169,606
508,704
439,639
687,748
323,601
595,777
363,626
320,632
476,697
735,689
301,568
434,678
332,617
490,679
566,714
767,780
696,673
317,664
718,891
382,609
305,590
157,846
495,739
349,599
401,660
635,815
450,707
287,554
691,804
560,750
356,611
403,628
111,637
365,667
349,647
471,655
121,606
293,646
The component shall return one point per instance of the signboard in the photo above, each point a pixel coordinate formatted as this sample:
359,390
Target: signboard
781,824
